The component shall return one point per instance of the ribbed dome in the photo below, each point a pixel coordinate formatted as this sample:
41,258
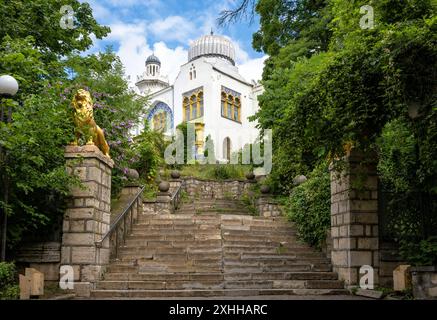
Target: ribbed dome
153,59
212,45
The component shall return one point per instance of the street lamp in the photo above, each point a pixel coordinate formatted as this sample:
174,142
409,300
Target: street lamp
8,89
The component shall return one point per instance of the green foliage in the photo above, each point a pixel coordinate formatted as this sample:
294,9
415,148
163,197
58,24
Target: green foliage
40,20
147,154
309,206
8,281
397,165
423,253
318,103
46,61
216,171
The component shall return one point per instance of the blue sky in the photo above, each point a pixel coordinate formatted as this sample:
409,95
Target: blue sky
166,27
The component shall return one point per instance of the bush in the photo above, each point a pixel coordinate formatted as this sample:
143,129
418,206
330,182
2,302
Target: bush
8,285
216,171
423,253
309,206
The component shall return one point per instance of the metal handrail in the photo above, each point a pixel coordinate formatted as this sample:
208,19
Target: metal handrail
121,218
175,198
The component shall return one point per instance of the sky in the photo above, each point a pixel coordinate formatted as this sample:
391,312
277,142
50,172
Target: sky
167,27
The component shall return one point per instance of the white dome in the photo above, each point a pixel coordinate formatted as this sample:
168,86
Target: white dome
212,45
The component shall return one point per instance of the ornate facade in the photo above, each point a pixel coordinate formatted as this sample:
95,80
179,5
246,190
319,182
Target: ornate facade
208,92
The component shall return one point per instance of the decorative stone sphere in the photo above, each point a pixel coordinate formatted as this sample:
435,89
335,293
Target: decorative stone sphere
175,174
265,189
250,176
133,174
164,186
299,180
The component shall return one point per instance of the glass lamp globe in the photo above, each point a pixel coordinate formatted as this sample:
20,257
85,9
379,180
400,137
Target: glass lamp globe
8,85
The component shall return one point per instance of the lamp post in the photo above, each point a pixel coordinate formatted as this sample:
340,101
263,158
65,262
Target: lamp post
8,89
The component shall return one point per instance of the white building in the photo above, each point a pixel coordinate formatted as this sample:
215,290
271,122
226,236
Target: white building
208,92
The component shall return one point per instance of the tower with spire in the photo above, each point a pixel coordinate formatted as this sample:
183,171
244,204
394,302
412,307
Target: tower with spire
151,80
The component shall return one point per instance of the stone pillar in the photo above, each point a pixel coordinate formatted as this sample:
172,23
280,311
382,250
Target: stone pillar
87,217
163,203
354,219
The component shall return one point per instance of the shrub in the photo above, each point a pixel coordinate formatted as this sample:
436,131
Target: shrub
309,206
8,285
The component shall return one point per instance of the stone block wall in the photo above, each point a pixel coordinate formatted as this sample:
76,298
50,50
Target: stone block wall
87,217
354,220
210,189
424,281
389,260
267,207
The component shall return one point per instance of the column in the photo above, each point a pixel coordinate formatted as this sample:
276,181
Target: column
354,219
87,218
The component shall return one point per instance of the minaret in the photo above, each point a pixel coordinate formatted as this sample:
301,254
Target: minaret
151,80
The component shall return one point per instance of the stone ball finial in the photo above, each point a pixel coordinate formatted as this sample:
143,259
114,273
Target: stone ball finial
133,174
250,176
299,180
265,189
175,174
164,186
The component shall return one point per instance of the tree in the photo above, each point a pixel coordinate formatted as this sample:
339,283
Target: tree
46,61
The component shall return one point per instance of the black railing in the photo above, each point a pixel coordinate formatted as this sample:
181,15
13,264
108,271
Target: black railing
176,197
122,226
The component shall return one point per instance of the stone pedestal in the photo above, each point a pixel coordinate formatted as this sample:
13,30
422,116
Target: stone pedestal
87,217
354,220
163,204
267,207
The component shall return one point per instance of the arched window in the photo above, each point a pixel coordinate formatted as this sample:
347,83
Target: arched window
160,121
237,110
193,107
191,76
230,107
195,74
200,103
224,104
231,104
186,109
193,104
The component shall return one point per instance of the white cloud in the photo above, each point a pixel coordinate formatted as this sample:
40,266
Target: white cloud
173,28
252,69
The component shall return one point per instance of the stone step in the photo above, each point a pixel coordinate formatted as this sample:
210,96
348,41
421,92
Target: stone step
219,284
159,285
164,277
172,243
281,276
297,267
101,294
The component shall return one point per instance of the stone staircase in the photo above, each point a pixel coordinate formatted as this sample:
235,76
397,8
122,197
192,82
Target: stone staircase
213,248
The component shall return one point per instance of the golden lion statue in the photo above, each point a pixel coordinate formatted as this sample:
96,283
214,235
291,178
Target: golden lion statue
84,122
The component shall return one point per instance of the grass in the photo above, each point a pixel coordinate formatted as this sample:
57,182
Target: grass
216,171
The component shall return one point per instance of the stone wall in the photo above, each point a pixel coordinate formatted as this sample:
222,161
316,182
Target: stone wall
211,189
87,217
424,281
43,256
354,220
389,260
267,207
